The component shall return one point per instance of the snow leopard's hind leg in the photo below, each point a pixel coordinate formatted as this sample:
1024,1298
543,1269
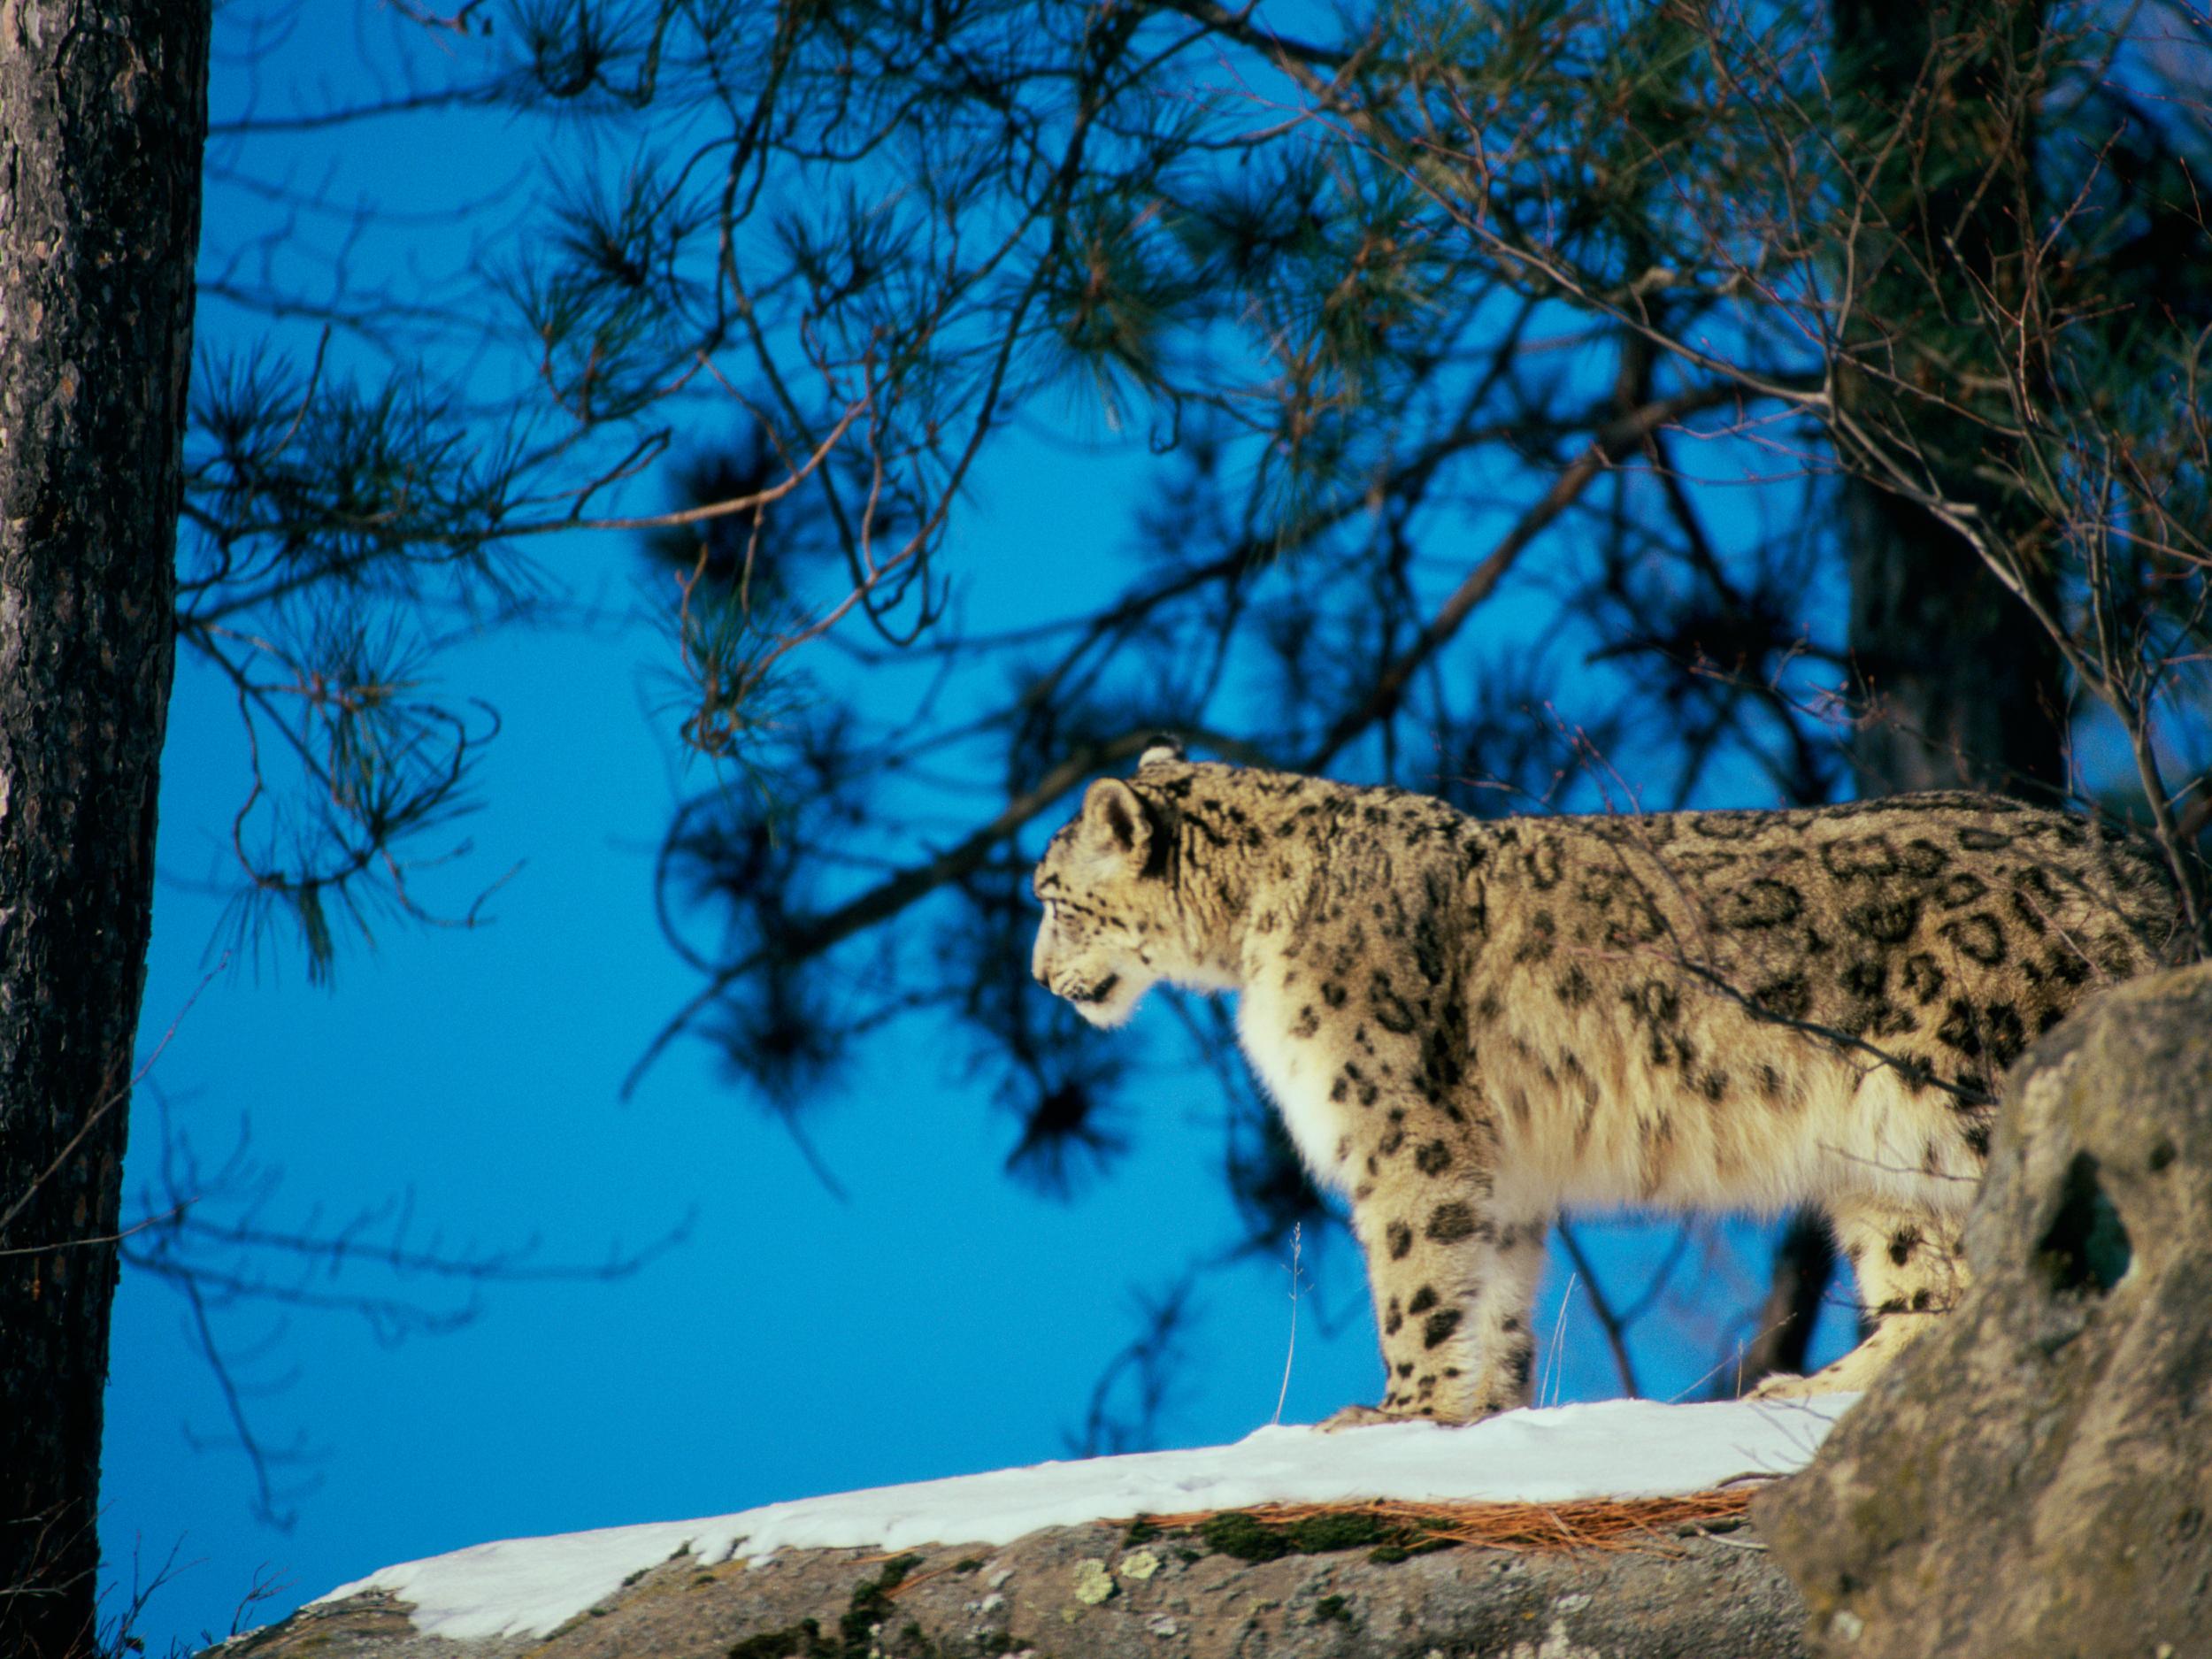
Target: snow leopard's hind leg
1910,1271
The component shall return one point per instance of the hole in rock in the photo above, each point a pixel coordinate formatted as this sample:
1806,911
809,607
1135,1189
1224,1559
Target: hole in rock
2085,1246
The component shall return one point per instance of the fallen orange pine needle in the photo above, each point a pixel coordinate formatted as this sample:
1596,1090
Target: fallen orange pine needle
1576,1523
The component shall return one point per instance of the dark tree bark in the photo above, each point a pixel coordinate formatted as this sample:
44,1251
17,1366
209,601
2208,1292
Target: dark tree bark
103,116
1962,687
1965,688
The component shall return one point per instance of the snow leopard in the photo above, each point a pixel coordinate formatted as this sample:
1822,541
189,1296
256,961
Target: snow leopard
1471,1023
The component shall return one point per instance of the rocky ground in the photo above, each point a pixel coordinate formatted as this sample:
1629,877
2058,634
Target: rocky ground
1097,1592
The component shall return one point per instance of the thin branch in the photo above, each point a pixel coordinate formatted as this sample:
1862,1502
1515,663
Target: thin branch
1615,1334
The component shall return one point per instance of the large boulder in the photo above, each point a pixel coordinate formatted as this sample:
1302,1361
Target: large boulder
2034,1476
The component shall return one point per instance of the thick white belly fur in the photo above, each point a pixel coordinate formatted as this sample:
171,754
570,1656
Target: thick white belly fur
1847,1133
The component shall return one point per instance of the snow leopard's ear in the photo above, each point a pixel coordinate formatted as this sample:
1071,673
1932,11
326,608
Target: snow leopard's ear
1115,822
1159,748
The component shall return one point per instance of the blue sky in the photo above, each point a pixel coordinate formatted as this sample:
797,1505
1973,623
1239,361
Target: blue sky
940,1320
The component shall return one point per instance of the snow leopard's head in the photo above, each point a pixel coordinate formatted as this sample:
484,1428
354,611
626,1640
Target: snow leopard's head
1111,929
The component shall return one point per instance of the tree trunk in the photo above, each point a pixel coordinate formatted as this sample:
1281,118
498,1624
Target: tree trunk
1964,687
103,116
1804,1266
1961,687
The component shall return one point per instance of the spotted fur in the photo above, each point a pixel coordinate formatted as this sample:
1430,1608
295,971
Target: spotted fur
1469,1024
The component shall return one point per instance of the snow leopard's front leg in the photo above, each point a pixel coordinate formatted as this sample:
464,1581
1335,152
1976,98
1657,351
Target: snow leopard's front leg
1454,1275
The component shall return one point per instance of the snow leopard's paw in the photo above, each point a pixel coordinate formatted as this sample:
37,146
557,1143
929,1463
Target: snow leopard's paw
1359,1417
1784,1385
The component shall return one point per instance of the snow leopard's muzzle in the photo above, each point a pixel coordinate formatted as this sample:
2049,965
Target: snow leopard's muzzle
1104,993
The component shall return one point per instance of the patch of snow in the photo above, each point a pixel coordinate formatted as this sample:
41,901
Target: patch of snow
1626,1449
